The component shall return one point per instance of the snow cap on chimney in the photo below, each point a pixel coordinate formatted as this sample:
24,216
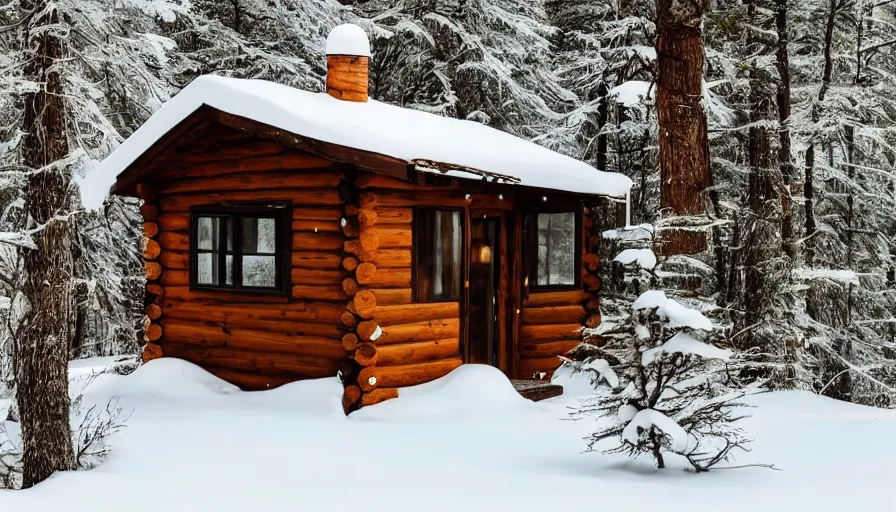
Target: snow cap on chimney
348,39
348,62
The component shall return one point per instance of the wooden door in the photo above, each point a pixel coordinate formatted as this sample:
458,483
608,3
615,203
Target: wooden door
486,340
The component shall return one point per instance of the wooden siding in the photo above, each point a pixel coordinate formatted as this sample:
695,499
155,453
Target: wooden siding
254,341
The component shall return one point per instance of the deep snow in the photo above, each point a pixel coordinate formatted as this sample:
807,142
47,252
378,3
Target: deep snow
196,443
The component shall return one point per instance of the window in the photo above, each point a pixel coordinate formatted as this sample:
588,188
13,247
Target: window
438,239
556,243
240,248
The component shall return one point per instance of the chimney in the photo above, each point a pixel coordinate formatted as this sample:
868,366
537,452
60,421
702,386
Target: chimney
348,57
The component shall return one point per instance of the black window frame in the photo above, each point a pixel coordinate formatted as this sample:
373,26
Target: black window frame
281,212
417,246
531,253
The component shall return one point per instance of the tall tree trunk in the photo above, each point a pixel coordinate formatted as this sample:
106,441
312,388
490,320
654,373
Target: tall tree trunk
809,184
41,356
762,217
785,156
684,145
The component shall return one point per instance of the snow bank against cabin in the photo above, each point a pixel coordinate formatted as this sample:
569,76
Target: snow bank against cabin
372,126
471,390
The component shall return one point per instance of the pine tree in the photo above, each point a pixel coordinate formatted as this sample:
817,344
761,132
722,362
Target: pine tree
41,354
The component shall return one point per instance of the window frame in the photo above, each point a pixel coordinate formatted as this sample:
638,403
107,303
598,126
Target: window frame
415,228
531,237
280,211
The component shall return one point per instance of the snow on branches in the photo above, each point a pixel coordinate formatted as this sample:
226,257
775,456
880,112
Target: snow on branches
663,389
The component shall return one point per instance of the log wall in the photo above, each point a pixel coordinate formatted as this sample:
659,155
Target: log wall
350,308
552,321
254,341
398,342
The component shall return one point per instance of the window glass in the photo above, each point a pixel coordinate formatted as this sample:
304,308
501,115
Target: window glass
239,249
438,239
556,264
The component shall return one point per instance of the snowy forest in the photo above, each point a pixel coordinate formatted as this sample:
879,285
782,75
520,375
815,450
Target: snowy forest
796,215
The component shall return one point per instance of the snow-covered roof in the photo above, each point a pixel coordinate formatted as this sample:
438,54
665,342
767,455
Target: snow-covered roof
372,126
348,39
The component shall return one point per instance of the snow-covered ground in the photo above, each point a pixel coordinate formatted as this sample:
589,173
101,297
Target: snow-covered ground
464,443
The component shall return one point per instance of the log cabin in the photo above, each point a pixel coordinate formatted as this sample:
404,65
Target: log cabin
295,235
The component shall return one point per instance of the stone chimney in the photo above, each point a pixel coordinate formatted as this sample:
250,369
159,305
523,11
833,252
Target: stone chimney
348,58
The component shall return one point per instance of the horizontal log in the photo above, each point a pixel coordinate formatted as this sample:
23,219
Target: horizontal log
392,258
153,332
350,342
301,311
253,320
153,311
303,212
410,313
368,330
175,260
250,381
408,353
295,162
235,150
394,215
350,263
366,218
379,181
547,348
203,335
378,395
405,375
551,332
350,286
151,351
262,363
150,229
553,315
316,259
561,298
174,222
428,197
591,262
392,296
391,278
528,368
183,293
175,278
251,181
311,197
364,304
151,249
149,212
154,293
306,276
153,270
592,321
367,200
174,241
365,273
353,246
316,226
420,331
366,354
319,292
146,193
321,241
394,238
591,282
349,319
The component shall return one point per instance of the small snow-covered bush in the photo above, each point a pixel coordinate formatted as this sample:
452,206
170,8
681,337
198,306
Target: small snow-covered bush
661,388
